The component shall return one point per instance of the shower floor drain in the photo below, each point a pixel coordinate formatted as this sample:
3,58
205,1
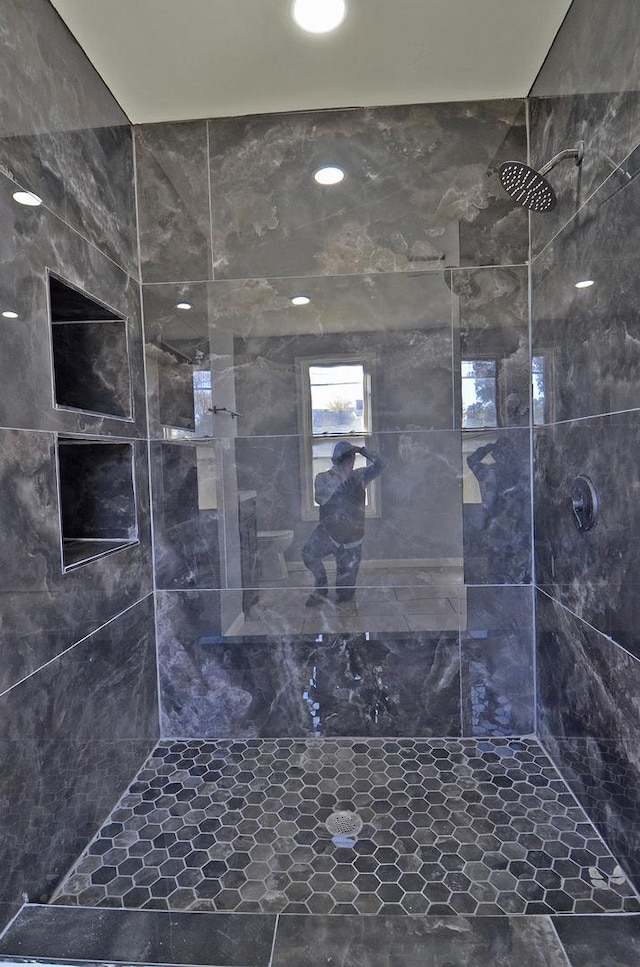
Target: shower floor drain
344,824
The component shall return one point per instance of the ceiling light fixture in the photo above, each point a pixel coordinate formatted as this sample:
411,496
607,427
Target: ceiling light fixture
318,16
26,198
9,314
183,305
329,175
300,300
585,284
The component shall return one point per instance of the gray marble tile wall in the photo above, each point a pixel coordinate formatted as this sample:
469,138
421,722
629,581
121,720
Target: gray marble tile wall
413,266
585,342
78,681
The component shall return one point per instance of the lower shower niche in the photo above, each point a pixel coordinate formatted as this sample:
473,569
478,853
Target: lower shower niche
97,499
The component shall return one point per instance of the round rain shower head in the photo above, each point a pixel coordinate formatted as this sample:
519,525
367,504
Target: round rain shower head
527,186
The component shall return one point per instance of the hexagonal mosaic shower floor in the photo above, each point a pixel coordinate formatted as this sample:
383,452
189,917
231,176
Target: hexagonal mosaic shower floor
450,827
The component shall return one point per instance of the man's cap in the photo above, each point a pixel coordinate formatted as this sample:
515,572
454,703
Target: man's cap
341,450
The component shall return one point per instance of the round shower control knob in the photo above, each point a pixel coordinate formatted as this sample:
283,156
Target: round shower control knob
584,503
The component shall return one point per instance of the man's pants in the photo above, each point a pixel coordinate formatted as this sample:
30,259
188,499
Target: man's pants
348,559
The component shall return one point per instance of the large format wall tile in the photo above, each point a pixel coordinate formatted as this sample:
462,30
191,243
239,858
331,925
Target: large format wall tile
491,338
67,753
44,610
588,718
420,495
187,546
36,240
497,507
173,201
252,335
589,90
413,941
350,685
497,662
595,573
62,134
421,187
588,339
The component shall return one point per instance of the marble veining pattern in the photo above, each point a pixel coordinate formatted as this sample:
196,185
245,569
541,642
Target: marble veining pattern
62,133
59,716
364,681
312,940
594,573
405,193
41,241
173,201
588,719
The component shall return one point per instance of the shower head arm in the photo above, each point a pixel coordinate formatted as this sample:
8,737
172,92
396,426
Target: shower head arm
577,153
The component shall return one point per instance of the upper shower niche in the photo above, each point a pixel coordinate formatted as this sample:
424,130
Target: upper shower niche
90,353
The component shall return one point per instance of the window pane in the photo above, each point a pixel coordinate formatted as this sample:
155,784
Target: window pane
478,367
479,392
337,399
203,402
538,390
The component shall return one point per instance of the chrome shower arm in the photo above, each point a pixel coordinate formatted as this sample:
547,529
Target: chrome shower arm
577,153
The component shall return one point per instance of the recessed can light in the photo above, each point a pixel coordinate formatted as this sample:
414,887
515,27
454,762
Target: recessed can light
318,16
26,198
300,300
585,284
183,305
9,314
329,175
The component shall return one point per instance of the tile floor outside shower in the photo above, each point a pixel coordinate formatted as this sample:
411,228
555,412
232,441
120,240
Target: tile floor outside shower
451,827
389,598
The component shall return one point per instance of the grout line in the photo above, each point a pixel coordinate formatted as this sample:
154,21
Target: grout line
589,416
587,624
44,206
273,944
562,946
530,314
209,197
80,641
150,482
409,273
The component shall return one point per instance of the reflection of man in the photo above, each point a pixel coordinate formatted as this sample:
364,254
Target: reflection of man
340,492
497,480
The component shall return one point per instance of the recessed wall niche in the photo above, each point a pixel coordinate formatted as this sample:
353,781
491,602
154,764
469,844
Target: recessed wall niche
97,499
90,353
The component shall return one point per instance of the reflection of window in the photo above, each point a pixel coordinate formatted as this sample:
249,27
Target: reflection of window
202,402
538,375
479,393
336,405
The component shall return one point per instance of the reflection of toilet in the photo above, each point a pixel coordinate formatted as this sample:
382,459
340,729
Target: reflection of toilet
271,548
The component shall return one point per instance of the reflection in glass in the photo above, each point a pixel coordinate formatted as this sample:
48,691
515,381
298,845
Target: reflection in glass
337,399
538,374
479,393
203,403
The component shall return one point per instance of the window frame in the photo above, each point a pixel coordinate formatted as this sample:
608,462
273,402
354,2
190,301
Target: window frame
308,508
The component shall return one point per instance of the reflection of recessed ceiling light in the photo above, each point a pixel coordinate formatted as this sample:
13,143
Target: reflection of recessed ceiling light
300,300
26,198
584,284
9,314
318,16
183,305
330,175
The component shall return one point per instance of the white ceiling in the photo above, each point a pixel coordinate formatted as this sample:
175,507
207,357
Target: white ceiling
181,59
